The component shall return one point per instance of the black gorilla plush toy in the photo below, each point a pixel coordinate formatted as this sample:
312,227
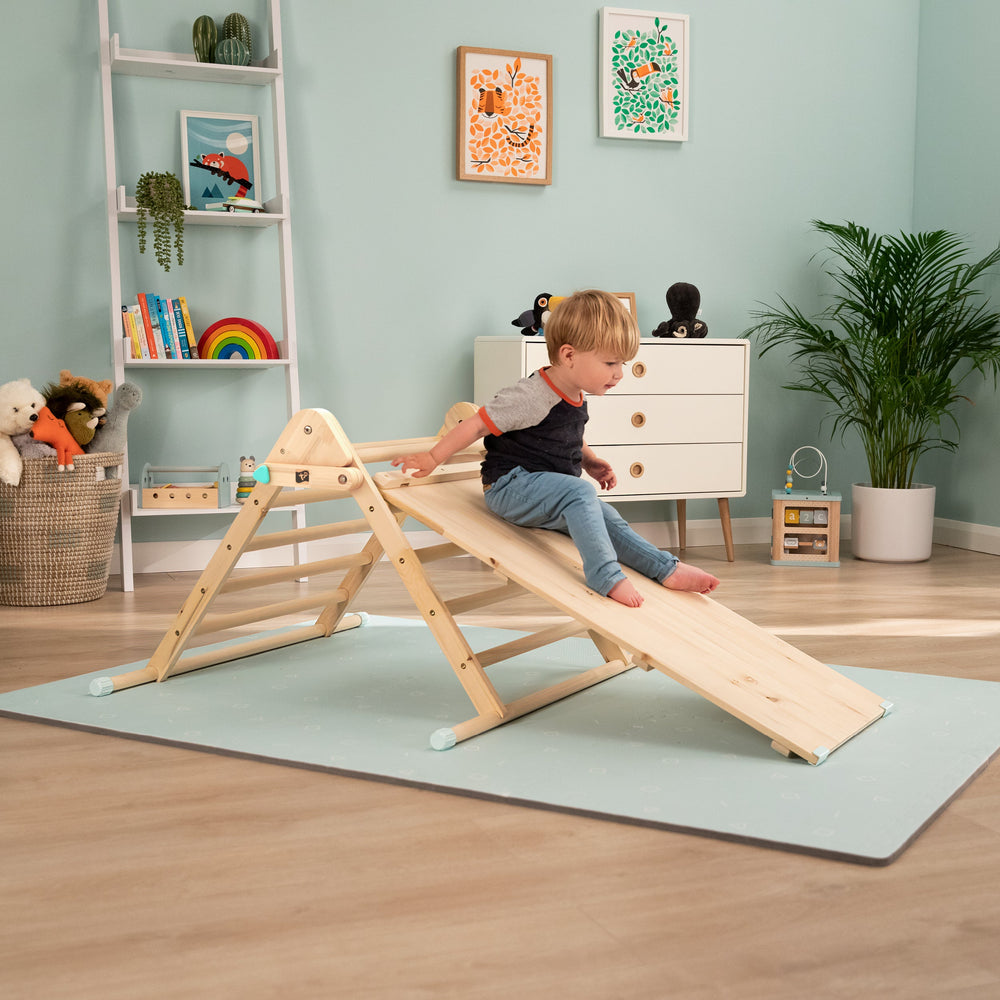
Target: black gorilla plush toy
683,301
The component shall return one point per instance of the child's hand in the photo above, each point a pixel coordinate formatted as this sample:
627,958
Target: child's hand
600,470
418,465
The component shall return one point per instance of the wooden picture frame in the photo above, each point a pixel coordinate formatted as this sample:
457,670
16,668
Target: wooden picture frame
643,75
231,145
504,102
627,299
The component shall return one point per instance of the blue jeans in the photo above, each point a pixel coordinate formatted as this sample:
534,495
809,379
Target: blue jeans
570,504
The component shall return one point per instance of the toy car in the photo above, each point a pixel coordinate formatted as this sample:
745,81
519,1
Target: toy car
234,204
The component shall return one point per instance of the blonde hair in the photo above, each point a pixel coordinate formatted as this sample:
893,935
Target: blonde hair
592,320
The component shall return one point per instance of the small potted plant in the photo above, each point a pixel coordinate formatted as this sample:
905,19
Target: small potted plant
161,196
905,328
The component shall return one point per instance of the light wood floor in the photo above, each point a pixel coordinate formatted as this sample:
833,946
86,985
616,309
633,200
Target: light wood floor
131,870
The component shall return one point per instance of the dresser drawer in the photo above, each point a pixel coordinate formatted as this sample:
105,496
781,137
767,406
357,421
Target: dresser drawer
684,470
621,419
671,366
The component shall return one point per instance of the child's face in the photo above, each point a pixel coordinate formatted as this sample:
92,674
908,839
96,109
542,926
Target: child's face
594,372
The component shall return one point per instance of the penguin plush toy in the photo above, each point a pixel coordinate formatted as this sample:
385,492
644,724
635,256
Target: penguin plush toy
683,301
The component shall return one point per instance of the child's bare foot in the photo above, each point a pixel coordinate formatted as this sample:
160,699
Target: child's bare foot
625,593
690,578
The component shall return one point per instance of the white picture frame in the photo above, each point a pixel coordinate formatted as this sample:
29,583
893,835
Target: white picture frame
232,138
643,75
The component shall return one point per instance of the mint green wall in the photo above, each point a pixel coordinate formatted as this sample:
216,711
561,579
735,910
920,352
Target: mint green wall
798,111
958,148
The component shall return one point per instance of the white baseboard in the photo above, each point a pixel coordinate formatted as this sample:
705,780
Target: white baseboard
193,556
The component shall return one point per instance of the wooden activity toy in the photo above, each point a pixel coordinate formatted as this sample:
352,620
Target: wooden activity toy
804,707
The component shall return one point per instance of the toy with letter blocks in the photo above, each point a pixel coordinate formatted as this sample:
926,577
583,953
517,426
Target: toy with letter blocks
173,495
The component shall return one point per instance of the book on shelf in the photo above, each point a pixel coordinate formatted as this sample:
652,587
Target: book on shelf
163,328
169,329
192,339
147,325
133,344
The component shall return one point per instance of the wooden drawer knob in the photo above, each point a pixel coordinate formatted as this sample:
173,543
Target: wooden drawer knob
638,419
639,369
636,469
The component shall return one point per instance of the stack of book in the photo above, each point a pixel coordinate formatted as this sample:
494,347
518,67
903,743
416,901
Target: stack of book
159,329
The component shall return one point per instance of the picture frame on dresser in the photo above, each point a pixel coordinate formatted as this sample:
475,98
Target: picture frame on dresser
221,156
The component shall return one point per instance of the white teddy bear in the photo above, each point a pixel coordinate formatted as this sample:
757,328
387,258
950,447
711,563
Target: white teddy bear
19,406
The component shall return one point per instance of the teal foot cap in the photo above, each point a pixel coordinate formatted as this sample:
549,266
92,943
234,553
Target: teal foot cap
262,474
101,686
443,739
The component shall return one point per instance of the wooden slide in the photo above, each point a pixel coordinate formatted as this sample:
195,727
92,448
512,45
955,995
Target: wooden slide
804,707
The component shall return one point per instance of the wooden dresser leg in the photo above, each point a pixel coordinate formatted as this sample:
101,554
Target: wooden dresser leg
727,528
681,524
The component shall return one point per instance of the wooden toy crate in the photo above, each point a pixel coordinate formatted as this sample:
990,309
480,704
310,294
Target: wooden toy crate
805,528
174,495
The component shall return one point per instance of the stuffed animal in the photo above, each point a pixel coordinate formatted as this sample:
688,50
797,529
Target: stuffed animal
48,427
683,301
530,321
77,407
246,482
113,435
20,404
101,390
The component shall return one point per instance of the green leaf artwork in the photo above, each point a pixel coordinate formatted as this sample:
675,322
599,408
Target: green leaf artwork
647,97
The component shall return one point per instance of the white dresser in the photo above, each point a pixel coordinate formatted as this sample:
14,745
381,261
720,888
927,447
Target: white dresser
674,428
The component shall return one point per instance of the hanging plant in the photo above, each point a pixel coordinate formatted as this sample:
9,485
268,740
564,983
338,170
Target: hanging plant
161,196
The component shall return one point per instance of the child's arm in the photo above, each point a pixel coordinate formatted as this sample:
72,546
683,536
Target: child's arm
598,469
457,439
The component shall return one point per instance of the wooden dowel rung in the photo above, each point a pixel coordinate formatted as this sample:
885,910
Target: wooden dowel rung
483,598
298,536
538,699
431,553
384,451
283,573
292,498
526,643
219,623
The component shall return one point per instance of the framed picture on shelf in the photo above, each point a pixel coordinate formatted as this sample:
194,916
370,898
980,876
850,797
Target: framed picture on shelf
221,154
504,116
643,75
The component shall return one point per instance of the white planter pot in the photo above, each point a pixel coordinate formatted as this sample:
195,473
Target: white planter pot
892,525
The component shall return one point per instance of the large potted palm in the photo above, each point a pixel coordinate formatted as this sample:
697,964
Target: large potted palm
905,328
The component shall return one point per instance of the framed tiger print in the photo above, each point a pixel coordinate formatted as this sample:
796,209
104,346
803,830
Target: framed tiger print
504,116
643,75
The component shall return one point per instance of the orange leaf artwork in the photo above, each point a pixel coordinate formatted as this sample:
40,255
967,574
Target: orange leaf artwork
504,116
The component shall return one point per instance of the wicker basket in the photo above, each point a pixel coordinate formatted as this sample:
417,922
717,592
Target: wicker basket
57,530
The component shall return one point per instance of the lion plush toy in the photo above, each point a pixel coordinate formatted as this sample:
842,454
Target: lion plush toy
683,301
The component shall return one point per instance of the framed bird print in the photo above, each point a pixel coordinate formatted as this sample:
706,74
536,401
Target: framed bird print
221,154
504,116
643,75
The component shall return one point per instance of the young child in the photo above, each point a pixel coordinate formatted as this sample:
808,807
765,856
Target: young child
535,450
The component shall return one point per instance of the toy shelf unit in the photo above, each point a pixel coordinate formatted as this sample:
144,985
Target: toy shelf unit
805,528
675,426
117,61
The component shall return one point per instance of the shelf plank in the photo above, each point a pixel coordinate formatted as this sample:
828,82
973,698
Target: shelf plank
205,363
181,66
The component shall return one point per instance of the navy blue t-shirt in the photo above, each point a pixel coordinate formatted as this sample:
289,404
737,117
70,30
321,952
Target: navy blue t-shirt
533,425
